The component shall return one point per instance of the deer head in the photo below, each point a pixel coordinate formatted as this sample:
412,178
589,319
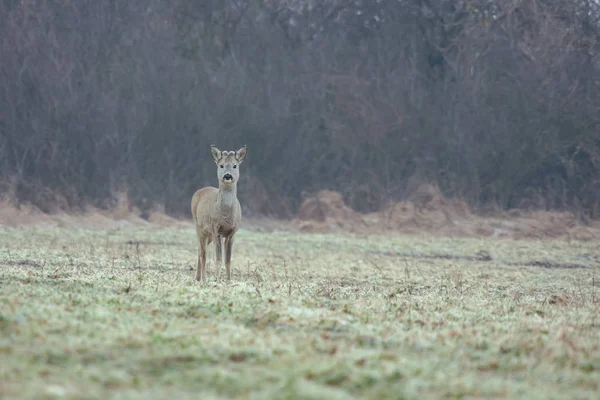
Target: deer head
228,164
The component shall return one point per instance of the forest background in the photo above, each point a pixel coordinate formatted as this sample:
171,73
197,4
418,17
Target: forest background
494,102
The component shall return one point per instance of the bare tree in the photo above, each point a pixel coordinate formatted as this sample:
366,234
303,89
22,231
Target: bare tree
496,101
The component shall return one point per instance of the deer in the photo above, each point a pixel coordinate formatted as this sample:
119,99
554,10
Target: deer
217,212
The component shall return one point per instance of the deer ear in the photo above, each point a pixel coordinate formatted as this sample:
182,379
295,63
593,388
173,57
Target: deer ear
241,154
216,153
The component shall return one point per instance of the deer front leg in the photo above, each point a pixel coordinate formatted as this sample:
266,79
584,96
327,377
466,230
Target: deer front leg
228,248
218,253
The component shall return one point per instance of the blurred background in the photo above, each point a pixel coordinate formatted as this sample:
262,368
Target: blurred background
496,102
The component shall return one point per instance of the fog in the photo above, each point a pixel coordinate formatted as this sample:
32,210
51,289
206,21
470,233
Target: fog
497,102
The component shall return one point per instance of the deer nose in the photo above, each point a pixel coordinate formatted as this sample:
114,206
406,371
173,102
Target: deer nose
228,177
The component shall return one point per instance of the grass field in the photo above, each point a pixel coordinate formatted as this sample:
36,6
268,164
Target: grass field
117,314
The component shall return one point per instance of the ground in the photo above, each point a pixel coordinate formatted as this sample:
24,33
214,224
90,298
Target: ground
116,313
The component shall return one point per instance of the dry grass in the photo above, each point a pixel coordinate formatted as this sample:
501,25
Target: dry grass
117,314
427,210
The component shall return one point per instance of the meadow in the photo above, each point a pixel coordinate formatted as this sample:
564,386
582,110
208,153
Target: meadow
116,313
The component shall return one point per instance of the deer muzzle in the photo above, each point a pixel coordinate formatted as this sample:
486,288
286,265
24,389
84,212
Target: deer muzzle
227,178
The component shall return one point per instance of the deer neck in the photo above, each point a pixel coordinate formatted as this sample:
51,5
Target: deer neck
227,197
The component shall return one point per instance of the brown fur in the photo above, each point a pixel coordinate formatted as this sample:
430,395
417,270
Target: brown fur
217,212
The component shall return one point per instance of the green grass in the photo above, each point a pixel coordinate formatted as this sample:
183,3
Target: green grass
117,314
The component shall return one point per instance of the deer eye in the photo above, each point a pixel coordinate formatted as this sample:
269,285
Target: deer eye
221,165
235,166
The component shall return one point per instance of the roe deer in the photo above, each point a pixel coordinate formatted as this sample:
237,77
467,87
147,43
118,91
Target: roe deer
217,212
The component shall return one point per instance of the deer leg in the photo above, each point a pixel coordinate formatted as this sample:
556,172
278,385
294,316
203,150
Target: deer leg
218,253
201,267
228,248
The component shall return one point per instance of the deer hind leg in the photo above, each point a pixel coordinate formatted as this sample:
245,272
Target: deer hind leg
201,266
228,249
